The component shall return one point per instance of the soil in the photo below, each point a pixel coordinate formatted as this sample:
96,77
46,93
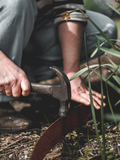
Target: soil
77,145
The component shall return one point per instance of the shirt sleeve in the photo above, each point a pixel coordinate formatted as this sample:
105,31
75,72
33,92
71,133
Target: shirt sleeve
62,6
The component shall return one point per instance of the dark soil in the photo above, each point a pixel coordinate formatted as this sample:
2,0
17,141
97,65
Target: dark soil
79,144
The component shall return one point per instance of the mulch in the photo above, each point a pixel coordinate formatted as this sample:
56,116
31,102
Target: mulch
79,144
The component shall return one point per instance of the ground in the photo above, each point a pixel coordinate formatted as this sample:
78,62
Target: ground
79,144
76,145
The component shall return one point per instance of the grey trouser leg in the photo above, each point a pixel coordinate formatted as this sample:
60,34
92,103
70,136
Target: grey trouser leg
17,19
44,50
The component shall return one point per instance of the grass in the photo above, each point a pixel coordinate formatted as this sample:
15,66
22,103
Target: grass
91,5
117,21
116,50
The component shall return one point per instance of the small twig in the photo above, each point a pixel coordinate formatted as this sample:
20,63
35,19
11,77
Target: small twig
11,144
81,152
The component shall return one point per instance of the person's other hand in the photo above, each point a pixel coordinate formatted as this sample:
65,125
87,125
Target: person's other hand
12,78
80,93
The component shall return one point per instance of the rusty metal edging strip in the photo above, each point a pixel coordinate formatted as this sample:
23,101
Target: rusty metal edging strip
58,129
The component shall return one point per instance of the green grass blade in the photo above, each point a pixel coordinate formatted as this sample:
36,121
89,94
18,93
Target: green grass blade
96,50
111,109
78,73
91,72
115,65
117,103
86,68
108,82
104,35
113,8
112,41
114,76
92,107
102,109
103,39
100,38
111,75
117,45
110,51
112,118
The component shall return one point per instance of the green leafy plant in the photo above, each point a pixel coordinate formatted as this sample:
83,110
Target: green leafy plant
115,51
87,151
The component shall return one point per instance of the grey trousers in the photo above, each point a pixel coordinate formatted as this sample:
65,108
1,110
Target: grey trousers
33,44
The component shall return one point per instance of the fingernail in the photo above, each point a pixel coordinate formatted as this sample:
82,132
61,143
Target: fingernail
88,102
104,97
104,104
98,107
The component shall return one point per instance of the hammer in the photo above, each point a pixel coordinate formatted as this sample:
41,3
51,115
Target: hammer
61,92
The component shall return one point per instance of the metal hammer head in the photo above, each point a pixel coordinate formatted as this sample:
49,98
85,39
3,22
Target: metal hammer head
62,92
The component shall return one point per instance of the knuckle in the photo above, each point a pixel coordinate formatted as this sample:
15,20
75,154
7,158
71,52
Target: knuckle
7,82
22,75
25,93
1,84
16,94
14,81
8,94
26,89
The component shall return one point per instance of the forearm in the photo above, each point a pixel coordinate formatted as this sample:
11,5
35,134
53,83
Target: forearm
70,37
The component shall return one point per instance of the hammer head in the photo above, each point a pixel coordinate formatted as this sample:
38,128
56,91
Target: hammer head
62,92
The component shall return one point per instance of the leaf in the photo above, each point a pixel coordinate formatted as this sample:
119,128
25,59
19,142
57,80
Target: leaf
117,103
100,38
91,100
112,73
110,51
104,35
112,117
115,65
103,39
108,82
115,77
113,8
86,69
96,50
111,109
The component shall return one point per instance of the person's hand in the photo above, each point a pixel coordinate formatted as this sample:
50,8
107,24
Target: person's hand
80,93
12,78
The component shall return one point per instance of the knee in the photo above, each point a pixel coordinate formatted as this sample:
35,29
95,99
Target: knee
18,8
111,30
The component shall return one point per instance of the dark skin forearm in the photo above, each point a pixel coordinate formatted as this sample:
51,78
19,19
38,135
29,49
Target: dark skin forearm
70,36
